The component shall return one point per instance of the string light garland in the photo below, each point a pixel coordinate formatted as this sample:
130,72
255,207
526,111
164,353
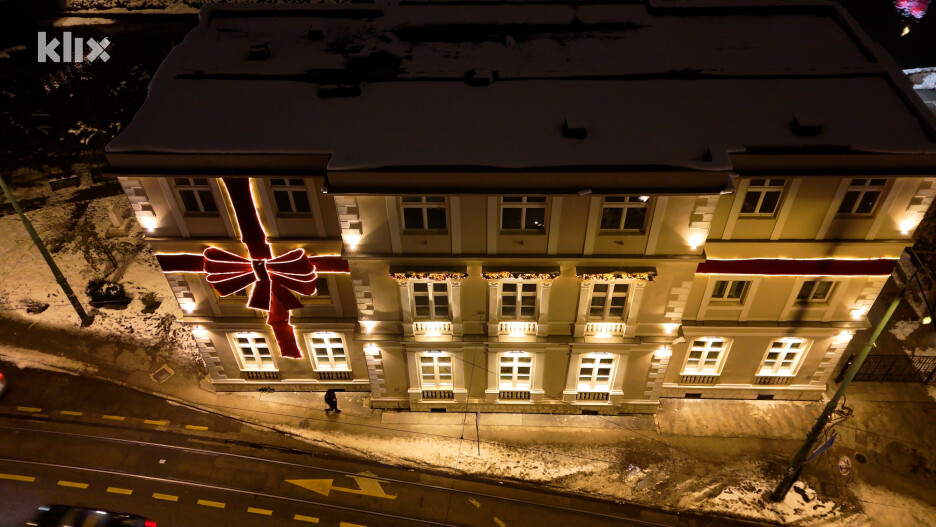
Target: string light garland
432,276
520,275
644,276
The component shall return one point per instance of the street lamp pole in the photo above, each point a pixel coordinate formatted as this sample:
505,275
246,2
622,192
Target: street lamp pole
59,277
799,460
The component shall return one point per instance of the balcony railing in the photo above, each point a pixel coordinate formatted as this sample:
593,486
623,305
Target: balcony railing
698,379
604,329
772,379
514,395
264,375
334,375
438,395
516,329
432,329
591,396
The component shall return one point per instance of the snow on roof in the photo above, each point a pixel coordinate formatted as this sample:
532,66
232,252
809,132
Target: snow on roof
524,86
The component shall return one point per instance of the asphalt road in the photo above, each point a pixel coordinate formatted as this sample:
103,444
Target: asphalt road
75,440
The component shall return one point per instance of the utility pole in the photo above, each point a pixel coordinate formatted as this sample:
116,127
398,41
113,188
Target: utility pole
799,460
59,277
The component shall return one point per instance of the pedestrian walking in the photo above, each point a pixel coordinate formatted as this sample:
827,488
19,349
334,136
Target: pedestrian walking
332,401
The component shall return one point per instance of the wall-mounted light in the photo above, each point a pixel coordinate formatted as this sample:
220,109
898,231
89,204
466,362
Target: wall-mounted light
371,349
644,198
907,225
149,223
352,240
696,240
670,328
188,307
927,320
368,325
435,352
858,313
844,336
663,353
199,332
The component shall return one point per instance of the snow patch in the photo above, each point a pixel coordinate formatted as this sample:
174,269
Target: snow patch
24,358
5,52
903,328
72,21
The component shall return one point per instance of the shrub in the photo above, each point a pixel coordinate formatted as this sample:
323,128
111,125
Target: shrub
150,302
104,290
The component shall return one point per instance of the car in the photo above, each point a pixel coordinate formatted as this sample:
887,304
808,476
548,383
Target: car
67,515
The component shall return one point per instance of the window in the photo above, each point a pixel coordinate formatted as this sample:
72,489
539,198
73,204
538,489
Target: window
705,355
435,371
516,368
254,351
607,302
423,213
730,290
290,196
783,356
595,372
195,194
523,213
328,352
431,299
624,213
818,291
762,197
861,197
518,300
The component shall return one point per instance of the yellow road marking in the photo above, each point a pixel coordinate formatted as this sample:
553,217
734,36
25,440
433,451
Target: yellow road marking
195,427
166,497
29,409
346,524
73,484
265,512
309,519
17,477
474,502
113,417
499,522
69,412
157,423
208,503
118,490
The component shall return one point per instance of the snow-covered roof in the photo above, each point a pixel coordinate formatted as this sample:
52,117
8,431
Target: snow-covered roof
526,86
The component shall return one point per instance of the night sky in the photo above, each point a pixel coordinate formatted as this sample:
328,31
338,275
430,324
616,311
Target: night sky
885,23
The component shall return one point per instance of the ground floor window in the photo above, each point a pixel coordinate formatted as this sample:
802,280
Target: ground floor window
595,372
783,356
705,356
328,352
253,351
435,371
516,371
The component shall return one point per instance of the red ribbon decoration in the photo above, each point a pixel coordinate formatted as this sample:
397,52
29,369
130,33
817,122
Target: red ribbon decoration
275,277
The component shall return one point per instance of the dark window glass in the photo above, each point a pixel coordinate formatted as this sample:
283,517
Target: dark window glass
302,201
321,287
769,204
189,201
750,202
207,201
611,218
535,218
635,218
536,199
413,218
512,199
866,205
851,197
510,218
436,217
282,201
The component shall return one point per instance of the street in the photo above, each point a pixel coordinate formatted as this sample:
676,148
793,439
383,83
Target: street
78,441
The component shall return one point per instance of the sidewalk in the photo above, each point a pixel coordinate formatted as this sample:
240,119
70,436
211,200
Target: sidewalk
707,456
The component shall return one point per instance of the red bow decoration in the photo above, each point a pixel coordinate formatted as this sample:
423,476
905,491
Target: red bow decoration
228,273
275,277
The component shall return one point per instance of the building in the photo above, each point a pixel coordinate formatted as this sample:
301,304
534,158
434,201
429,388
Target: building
544,207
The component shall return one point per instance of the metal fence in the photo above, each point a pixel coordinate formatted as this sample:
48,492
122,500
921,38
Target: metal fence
898,368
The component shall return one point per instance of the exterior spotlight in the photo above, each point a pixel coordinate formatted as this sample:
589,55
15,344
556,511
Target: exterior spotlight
644,198
669,328
927,320
906,226
148,223
199,332
371,349
696,240
663,353
368,325
352,240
